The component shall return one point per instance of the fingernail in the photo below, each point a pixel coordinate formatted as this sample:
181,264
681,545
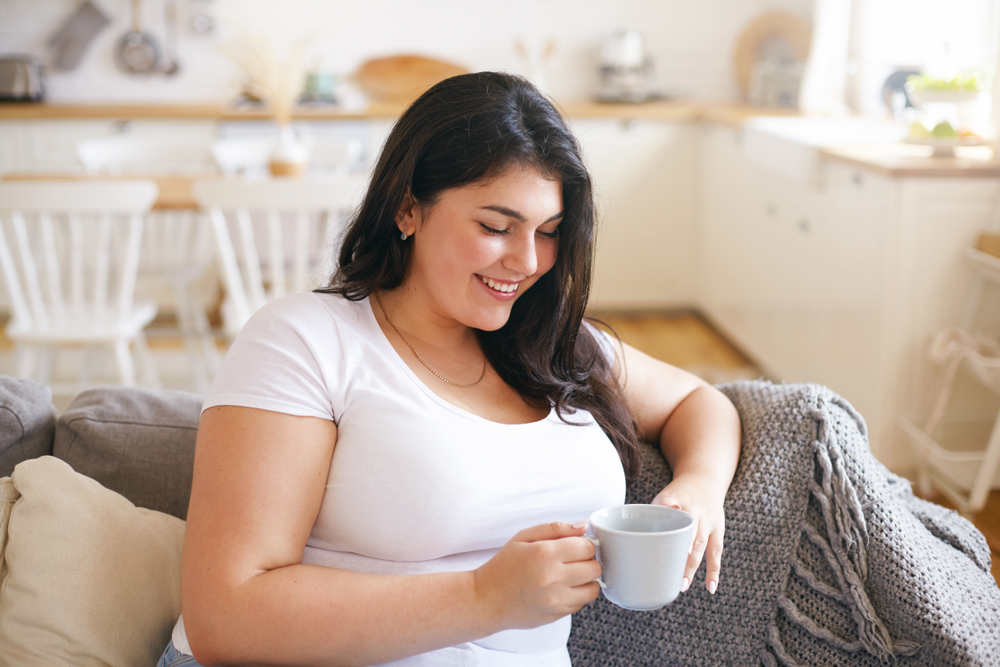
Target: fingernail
580,524
684,584
711,587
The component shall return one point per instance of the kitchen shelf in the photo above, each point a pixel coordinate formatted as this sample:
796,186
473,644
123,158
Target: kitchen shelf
658,110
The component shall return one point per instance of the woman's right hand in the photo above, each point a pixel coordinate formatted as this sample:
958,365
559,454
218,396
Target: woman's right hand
542,574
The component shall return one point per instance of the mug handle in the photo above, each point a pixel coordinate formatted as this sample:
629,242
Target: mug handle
597,545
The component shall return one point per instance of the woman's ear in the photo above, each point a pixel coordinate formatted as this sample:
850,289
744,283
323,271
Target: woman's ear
408,216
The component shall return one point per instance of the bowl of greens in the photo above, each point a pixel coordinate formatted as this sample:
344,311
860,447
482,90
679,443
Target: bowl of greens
923,89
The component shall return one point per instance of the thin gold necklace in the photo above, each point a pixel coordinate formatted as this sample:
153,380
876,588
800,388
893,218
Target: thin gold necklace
436,374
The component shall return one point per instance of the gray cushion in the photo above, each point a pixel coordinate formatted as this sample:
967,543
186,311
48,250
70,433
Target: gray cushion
137,442
27,422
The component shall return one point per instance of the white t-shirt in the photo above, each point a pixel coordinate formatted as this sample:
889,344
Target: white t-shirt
416,484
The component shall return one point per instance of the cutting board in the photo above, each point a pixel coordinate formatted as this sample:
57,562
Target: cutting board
404,77
770,25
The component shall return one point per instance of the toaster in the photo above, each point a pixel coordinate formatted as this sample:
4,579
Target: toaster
20,79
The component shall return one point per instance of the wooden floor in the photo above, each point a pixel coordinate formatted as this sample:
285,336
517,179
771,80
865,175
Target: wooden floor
686,341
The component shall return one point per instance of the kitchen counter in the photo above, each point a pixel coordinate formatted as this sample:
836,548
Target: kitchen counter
894,159
376,110
47,111
908,160
734,115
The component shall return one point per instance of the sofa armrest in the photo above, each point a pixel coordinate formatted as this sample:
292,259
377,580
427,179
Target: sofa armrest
829,559
27,422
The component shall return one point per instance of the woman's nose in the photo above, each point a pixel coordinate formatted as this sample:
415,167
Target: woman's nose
522,256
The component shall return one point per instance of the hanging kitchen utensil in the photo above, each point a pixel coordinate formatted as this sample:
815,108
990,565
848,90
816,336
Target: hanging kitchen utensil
171,65
137,52
75,35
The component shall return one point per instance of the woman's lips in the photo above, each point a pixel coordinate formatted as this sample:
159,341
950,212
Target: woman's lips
504,291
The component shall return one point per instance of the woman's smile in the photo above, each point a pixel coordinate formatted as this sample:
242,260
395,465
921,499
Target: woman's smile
498,289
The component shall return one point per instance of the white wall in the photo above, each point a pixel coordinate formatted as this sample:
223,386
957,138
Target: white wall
691,40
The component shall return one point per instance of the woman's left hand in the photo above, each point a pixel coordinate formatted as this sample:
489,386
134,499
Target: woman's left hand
697,497
698,430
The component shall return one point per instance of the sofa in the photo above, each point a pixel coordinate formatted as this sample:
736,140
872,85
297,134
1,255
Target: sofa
830,559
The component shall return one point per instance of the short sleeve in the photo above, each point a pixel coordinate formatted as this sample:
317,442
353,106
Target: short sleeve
276,363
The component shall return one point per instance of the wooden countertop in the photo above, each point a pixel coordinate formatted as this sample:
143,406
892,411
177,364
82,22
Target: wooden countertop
910,161
684,111
45,111
736,114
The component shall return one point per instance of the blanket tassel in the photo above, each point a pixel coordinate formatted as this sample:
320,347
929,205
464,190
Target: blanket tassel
843,548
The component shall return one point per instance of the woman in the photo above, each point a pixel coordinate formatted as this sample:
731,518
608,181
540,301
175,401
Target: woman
399,467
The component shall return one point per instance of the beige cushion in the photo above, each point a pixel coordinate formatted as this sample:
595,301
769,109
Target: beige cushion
86,578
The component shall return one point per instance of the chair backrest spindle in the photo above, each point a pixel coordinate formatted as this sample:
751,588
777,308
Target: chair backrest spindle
251,264
130,267
102,267
278,285
329,241
303,243
78,266
53,279
227,258
18,302
307,208
30,268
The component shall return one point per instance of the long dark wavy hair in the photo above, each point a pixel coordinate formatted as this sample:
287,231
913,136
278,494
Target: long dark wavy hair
465,130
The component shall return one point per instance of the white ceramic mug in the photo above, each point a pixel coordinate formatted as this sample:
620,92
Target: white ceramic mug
642,550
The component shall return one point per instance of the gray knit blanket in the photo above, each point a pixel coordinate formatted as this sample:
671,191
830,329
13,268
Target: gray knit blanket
829,559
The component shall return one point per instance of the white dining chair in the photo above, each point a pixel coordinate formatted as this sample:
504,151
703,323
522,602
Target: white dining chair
69,254
176,255
274,236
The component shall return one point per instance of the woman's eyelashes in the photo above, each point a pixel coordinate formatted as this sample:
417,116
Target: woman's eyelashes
493,230
503,232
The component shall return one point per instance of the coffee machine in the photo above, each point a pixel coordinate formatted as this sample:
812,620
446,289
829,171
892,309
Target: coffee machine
626,69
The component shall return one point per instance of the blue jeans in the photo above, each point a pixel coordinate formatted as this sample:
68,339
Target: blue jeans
173,658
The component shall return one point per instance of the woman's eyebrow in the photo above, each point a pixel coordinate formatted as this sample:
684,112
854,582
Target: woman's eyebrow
511,213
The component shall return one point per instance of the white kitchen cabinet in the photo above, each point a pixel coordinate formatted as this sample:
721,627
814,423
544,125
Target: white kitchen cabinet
11,147
841,284
645,191
50,145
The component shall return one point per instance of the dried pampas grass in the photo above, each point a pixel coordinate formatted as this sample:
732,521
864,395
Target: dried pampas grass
273,79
